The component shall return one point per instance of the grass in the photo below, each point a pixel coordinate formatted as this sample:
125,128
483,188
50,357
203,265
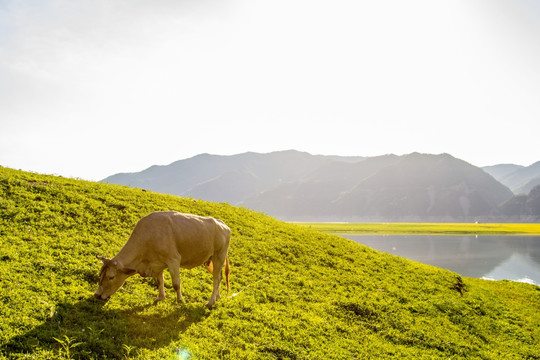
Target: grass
426,228
296,293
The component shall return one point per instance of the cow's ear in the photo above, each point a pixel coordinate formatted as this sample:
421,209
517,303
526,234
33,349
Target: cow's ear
102,258
128,271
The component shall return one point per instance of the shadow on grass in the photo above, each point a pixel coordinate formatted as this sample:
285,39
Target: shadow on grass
105,333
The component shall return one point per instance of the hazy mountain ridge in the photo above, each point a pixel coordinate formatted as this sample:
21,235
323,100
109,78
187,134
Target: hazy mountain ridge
431,185
520,179
217,177
296,185
522,207
409,187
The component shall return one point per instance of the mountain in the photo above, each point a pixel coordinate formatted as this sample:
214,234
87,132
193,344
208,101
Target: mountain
522,207
528,186
501,170
226,178
296,185
409,187
426,186
295,293
313,195
519,179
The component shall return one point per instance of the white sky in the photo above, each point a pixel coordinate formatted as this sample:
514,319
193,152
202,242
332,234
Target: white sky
89,88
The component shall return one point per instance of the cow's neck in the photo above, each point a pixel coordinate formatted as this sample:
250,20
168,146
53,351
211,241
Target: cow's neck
128,256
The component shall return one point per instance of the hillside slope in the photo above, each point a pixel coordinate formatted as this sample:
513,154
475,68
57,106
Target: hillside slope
296,293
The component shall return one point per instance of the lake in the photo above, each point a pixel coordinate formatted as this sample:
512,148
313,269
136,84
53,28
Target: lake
514,258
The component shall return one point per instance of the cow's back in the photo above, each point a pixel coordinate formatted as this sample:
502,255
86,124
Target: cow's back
165,234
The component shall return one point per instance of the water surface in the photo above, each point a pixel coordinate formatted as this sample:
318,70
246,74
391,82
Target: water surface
485,256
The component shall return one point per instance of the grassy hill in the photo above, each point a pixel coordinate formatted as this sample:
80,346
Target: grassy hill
295,293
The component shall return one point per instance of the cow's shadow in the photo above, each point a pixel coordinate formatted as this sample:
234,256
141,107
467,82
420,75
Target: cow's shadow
103,332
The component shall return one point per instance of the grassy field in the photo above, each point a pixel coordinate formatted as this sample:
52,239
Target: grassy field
425,228
296,293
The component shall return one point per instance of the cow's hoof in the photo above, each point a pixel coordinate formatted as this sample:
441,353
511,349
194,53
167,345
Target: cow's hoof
181,301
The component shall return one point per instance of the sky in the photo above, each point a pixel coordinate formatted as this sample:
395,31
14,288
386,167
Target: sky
90,88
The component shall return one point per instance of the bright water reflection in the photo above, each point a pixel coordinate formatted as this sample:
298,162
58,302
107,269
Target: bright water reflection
494,257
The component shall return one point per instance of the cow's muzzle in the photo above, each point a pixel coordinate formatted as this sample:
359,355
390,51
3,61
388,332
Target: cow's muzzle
100,297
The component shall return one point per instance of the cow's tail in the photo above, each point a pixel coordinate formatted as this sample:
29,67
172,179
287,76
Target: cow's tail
227,272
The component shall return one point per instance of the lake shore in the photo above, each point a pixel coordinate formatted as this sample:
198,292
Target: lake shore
425,228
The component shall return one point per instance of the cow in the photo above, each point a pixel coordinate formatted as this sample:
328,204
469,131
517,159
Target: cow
169,239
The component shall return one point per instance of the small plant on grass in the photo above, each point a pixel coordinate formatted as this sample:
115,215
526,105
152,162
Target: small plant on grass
67,344
128,349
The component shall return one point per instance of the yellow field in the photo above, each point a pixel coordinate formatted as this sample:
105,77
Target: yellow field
426,228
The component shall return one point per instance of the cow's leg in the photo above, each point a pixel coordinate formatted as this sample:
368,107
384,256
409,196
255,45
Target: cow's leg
161,287
218,260
174,269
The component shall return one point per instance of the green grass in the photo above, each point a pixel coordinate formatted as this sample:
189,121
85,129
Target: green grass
298,293
426,228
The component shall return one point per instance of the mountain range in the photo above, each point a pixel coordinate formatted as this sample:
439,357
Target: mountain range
520,179
298,186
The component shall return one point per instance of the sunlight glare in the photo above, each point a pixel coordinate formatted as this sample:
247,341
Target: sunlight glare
182,354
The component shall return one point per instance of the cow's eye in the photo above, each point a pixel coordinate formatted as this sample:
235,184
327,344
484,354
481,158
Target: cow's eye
111,277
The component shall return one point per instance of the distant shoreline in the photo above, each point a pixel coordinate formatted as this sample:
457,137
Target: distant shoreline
425,228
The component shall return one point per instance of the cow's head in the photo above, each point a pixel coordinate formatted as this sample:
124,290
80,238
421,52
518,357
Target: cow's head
111,278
